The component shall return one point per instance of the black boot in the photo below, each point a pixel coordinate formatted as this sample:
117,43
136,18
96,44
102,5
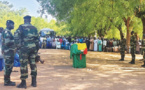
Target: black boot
22,84
10,83
34,83
133,61
122,58
143,64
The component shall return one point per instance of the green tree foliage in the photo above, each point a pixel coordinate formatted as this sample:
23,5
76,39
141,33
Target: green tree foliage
140,9
84,17
61,9
17,16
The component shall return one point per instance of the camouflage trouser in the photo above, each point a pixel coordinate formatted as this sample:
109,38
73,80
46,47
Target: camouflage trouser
133,51
143,55
25,57
9,62
122,51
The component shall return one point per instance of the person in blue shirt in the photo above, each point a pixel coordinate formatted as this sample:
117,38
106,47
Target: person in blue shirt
1,56
82,40
42,34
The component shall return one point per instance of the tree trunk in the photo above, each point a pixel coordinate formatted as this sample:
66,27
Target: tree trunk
121,33
127,23
143,21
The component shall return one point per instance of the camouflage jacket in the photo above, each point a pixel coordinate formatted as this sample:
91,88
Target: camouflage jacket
7,41
26,36
123,43
143,43
133,41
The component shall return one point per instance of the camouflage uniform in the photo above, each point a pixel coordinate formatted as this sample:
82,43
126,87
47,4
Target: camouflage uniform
122,49
133,47
8,48
143,50
27,41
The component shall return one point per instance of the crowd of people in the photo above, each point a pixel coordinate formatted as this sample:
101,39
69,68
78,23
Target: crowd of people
99,44
93,44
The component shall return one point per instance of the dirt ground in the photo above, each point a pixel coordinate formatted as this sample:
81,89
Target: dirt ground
103,72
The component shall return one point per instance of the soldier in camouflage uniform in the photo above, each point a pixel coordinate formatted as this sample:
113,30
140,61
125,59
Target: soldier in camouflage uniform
133,47
8,49
143,50
122,49
27,41
1,29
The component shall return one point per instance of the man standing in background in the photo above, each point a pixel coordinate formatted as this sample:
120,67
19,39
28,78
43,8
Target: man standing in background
102,38
91,44
95,44
133,47
122,49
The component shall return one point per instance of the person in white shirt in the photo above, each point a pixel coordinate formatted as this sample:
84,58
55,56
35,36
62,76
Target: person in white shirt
58,44
104,44
95,44
53,44
67,45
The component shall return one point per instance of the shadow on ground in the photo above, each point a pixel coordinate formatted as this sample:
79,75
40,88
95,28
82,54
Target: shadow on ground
103,72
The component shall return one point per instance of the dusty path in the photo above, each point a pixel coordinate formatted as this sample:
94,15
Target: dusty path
103,72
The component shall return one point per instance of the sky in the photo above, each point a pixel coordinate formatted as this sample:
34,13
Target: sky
31,5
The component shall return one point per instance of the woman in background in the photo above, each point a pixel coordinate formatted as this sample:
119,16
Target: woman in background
95,44
91,44
100,44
